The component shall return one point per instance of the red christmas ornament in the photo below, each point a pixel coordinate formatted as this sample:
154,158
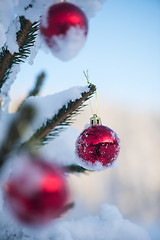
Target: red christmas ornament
64,29
37,192
97,145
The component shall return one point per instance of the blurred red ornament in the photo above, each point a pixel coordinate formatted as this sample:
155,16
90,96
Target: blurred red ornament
60,18
37,192
98,144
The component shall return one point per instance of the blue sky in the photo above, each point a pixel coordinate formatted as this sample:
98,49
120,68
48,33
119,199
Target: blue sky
122,55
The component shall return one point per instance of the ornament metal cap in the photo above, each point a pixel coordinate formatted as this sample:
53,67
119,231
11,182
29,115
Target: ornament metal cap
95,120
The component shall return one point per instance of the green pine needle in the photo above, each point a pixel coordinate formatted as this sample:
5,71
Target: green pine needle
73,168
38,85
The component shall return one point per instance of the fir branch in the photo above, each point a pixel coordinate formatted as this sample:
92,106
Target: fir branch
35,91
53,126
73,168
39,82
25,39
16,131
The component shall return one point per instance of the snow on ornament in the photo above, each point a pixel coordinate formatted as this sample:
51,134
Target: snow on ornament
36,192
64,29
98,146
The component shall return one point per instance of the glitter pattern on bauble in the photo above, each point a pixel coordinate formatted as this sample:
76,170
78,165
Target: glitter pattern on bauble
64,29
97,147
36,193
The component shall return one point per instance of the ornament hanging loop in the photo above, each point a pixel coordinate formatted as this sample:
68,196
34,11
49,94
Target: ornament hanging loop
87,77
96,103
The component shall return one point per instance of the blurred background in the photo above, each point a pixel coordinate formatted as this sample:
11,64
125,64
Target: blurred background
122,55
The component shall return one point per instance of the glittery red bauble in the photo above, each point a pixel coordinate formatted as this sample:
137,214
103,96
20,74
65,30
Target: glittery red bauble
36,193
98,144
60,18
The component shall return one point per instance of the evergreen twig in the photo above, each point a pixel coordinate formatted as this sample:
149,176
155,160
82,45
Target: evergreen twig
39,82
35,91
73,168
53,126
16,131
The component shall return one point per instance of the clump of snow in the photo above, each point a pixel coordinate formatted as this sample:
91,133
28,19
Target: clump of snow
34,49
3,37
6,87
96,166
11,36
61,149
108,225
6,17
44,111
32,10
67,46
